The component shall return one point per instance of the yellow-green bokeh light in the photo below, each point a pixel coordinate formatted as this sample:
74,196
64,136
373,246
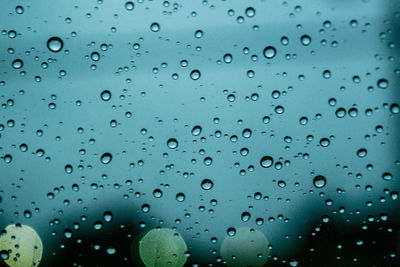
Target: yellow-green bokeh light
162,247
21,240
247,247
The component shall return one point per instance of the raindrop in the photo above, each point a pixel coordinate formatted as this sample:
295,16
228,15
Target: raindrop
231,231
17,64
383,83
195,75
172,143
105,95
55,44
107,216
207,184
245,216
387,176
266,161
196,130
305,40
129,6
106,158
250,12
155,27
227,58
362,152
319,181
269,52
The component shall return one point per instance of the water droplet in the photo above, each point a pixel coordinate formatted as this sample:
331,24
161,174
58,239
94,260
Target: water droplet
180,197
172,143
231,231
195,75
227,58
55,44
155,27
246,133
362,152
198,34
19,10
157,193
340,112
98,225
196,130
387,176
305,40
250,12
266,161
107,216
269,52
245,216
68,169
207,184
105,95
129,6
106,158
324,142
383,83
319,181
68,233
17,64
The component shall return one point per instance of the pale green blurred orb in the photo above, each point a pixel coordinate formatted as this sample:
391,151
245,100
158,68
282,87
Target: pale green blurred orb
22,240
162,247
248,247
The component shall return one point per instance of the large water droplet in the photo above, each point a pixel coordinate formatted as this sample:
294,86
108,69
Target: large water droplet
266,161
305,40
155,27
106,158
172,143
319,181
383,83
195,75
105,95
269,52
55,44
196,130
207,184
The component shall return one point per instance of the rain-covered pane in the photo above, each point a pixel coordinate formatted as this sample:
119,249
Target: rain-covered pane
199,133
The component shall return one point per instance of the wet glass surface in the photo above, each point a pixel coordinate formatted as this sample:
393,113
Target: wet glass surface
199,133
